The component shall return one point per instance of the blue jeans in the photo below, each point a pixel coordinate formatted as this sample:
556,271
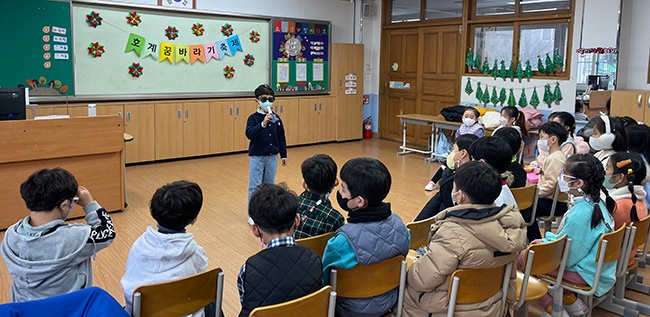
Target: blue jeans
261,170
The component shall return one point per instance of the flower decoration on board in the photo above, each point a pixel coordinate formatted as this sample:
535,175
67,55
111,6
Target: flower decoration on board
133,19
254,36
135,70
171,32
95,49
93,19
228,72
226,29
249,60
197,29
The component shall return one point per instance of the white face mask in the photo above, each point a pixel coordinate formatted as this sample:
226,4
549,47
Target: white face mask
503,121
266,106
595,143
468,121
453,194
542,145
564,185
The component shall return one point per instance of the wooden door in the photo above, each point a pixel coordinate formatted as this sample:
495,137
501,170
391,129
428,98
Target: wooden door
196,128
628,103
139,122
287,109
401,63
168,130
243,109
326,119
348,59
308,120
222,126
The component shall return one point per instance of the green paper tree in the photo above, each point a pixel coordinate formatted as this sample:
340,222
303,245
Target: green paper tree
495,70
557,93
510,73
495,97
557,59
528,73
540,65
520,71
469,60
486,96
468,87
534,99
502,71
479,92
485,69
548,95
523,100
502,96
477,62
511,98
550,67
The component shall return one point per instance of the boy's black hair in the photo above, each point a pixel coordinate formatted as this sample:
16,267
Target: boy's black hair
590,170
46,189
476,113
510,135
176,205
319,173
638,139
620,140
494,151
579,106
633,168
263,89
553,128
479,181
273,208
567,120
463,142
367,177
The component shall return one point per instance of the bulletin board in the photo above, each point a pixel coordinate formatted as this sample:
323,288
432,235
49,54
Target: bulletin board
300,55
140,52
38,47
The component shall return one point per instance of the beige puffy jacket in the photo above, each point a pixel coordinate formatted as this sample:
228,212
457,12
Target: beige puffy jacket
464,237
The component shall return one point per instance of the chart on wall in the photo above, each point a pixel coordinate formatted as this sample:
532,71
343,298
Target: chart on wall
300,55
121,50
38,47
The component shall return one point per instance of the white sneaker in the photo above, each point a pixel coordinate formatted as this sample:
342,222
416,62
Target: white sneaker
430,186
564,314
578,308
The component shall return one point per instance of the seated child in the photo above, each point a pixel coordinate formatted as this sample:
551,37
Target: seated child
551,135
609,136
496,152
580,111
475,233
169,252
46,256
373,232
588,219
511,116
270,276
516,175
316,213
625,194
442,199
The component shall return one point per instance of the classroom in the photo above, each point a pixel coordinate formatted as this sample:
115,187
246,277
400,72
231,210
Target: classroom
392,126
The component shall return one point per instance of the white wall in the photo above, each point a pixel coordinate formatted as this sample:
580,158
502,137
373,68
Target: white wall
600,23
634,45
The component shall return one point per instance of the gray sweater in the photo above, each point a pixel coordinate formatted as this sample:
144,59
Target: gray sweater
54,258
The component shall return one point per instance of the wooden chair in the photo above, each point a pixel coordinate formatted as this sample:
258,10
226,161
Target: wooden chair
615,252
548,220
364,281
641,240
526,197
419,237
181,296
476,285
541,259
321,303
316,243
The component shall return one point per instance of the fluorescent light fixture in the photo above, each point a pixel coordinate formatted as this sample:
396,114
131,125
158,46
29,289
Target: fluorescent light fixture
536,1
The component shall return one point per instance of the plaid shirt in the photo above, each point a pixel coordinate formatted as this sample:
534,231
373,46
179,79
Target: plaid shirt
317,218
277,242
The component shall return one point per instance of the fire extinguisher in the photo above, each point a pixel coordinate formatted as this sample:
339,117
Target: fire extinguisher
367,128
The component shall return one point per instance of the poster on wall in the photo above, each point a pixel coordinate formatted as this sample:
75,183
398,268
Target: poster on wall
300,55
184,4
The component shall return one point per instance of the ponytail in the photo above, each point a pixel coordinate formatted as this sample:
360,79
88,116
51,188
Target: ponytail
521,122
610,203
590,170
631,165
630,186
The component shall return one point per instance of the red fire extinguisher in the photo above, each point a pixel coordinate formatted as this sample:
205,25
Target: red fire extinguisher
367,128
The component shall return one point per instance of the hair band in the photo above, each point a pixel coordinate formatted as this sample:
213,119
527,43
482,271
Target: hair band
623,163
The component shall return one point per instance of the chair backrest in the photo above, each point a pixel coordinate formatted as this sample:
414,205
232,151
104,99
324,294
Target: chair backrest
181,296
615,244
547,256
469,286
419,232
525,196
320,303
364,281
316,243
642,230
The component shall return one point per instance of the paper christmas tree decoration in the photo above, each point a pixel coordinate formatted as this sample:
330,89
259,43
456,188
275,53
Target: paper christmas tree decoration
479,92
523,99
557,93
540,65
469,60
477,62
502,70
502,96
495,70
557,59
548,95
485,69
534,99
528,72
495,97
511,98
468,88
510,73
550,67
486,96
519,73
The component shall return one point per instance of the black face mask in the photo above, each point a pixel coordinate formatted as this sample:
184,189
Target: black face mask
343,202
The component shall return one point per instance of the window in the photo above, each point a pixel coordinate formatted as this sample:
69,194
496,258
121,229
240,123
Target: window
405,11
494,43
528,6
497,7
540,39
596,64
505,7
443,9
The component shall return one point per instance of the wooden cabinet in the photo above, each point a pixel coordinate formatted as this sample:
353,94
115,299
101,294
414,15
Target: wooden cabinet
222,126
196,128
347,59
109,109
635,104
287,109
317,120
168,128
33,111
139,122
243,109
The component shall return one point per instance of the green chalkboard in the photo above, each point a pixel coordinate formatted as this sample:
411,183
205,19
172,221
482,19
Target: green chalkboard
37,49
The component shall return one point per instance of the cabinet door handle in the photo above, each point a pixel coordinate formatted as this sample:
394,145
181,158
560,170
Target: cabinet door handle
179,113
281,108
320,107
237,111
648,101
231,111
187,113
340,82
128,116
314,107
638,101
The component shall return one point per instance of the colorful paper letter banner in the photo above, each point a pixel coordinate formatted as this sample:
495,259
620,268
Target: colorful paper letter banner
135,43
235,44
166,52
197,54
182,53
211,51
151,48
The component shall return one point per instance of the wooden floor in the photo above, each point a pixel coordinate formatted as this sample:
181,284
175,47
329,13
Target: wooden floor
222,227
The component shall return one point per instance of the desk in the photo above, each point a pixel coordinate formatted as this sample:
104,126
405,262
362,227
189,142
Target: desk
437,123
90,148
